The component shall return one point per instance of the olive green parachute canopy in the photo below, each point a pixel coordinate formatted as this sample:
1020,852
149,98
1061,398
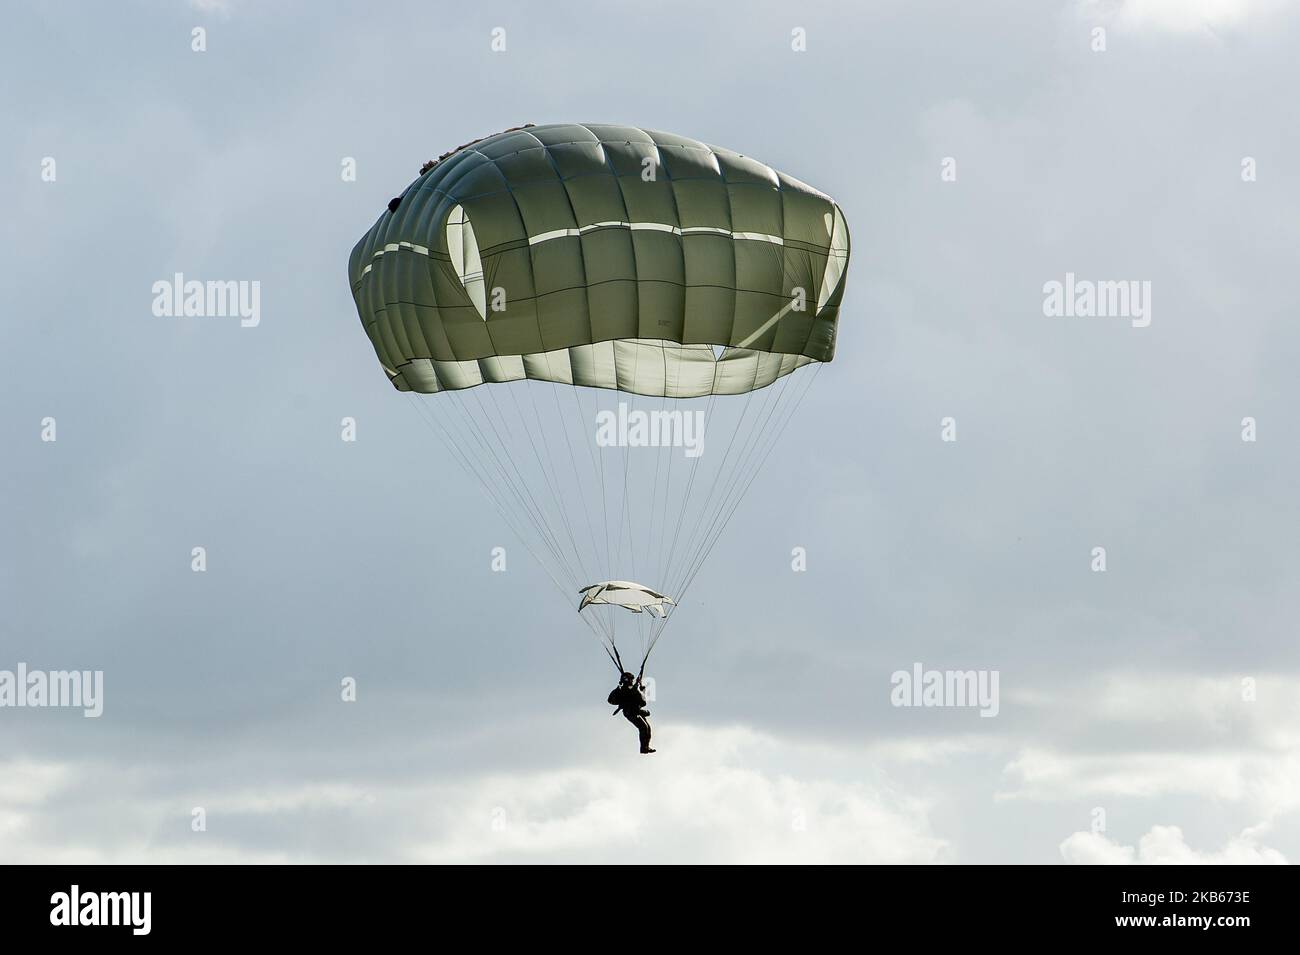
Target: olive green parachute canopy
640,305
605,256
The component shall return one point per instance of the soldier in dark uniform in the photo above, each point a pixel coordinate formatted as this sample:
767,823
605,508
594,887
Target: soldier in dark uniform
629,696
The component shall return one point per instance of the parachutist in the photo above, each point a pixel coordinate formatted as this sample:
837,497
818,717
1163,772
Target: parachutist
629,697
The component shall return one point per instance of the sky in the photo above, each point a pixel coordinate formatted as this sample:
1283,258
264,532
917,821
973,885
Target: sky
1147,712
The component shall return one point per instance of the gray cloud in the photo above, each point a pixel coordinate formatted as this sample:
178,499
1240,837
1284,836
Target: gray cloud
329,560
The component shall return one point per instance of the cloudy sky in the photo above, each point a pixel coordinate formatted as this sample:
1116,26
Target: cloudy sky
1149,712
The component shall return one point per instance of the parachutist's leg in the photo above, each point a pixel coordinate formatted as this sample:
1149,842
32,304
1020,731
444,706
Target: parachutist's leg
643,727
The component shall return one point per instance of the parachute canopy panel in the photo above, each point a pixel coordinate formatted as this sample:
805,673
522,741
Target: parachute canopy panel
599,255
624,593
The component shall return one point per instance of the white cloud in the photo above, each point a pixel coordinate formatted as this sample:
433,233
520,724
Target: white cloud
715,795
222,8
1165,845
1182,16
1147,736
718,795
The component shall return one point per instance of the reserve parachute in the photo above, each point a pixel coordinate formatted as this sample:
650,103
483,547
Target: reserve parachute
609,328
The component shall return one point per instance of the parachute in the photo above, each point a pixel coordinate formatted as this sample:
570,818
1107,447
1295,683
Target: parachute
608,328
